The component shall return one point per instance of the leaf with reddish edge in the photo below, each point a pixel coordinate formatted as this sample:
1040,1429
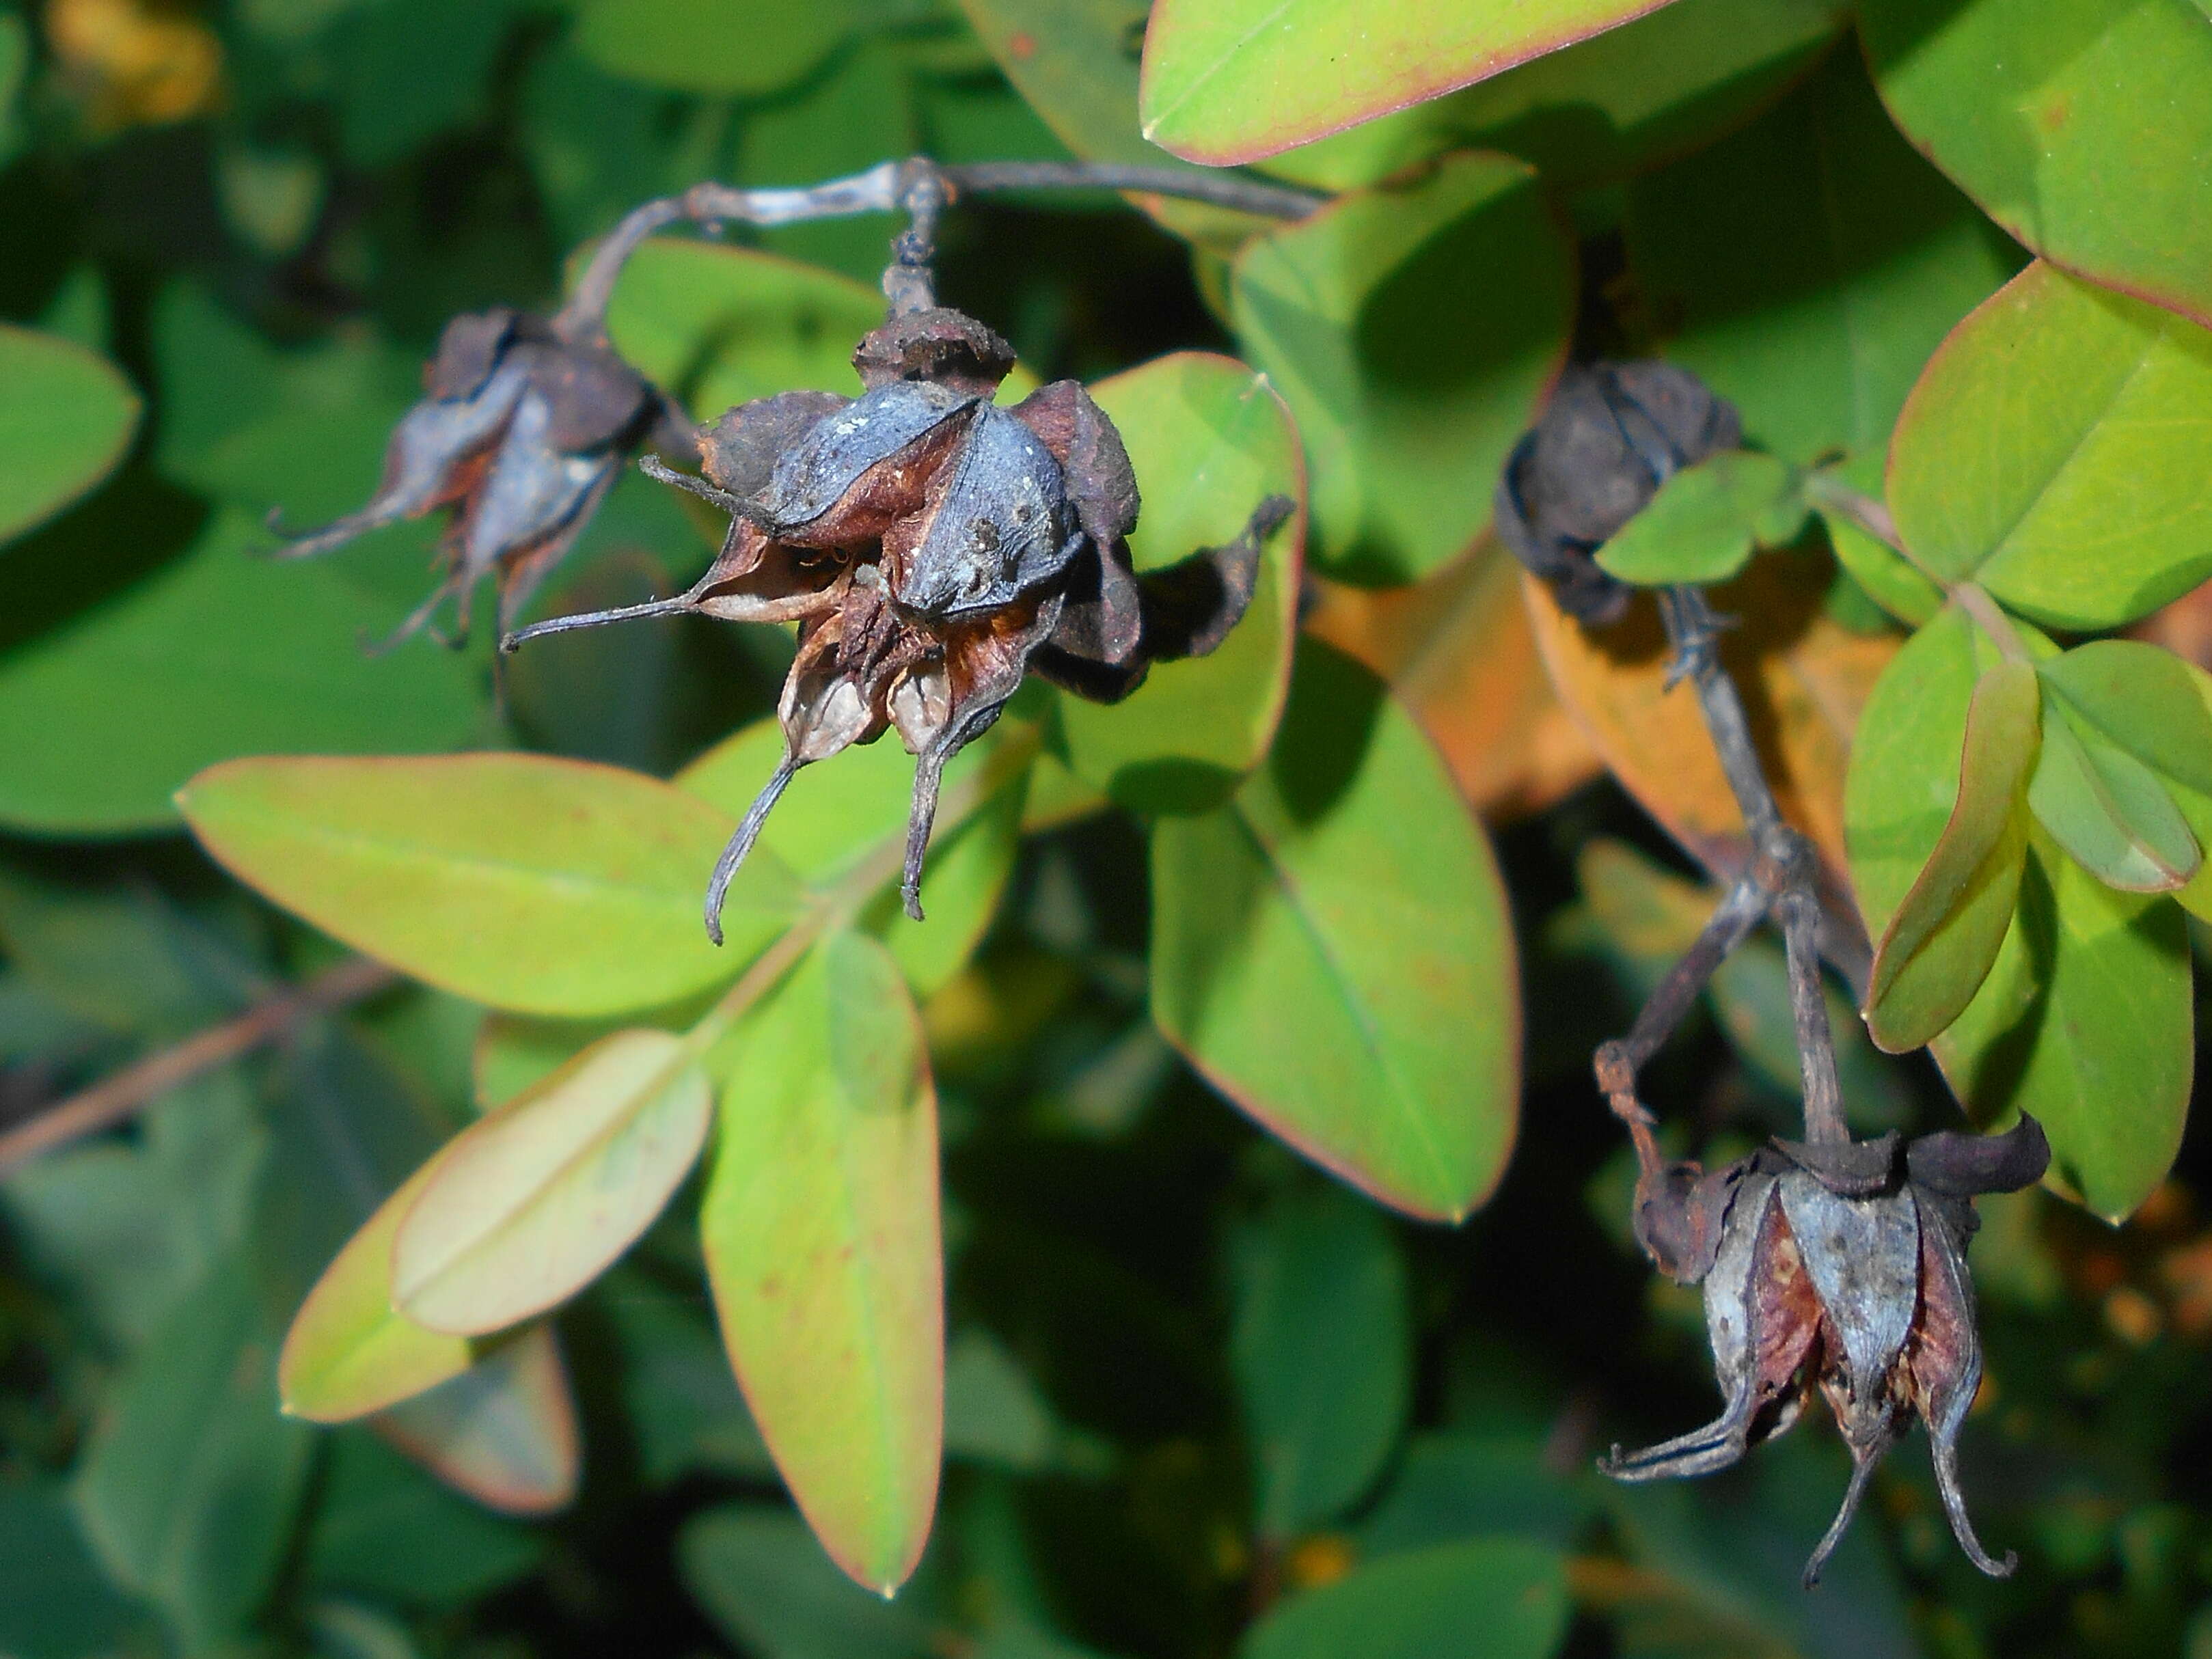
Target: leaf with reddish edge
1938,947
1333,951
2084,127
2054,450
537,886
821,1234
347,1354
1226,82
1210,441
1458,651
531,1203
503,1432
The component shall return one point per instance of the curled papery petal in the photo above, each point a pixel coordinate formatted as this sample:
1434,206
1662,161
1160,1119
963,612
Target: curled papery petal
824,465
1944,1372
1965,1166
741,843
999,526
1863,1469
739,451
1863,1255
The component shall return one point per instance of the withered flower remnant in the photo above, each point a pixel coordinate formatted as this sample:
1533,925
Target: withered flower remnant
1839,1266
1611,434
520,433
933,547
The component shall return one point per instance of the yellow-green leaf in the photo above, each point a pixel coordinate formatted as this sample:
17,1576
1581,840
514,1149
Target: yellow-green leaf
2109,811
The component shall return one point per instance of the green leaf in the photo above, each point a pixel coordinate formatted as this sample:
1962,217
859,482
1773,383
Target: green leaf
1322,1350
2108,810
54,1601
348,1352
15,65
1609,106
1487,1598
1938,946
216,655
1884,574
2083,127
1231,80
842,815
411,69
1210,441
531,1203
531,883
2056,450
719,326
1806,266
765,1583
820,1228
1334,952
747,46
66,417
1706,520
1412,331
503,1432
188,1487
2156,707
383,1529
678,1397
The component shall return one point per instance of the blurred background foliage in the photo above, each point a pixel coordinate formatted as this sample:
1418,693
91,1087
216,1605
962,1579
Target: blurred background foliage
1200,1400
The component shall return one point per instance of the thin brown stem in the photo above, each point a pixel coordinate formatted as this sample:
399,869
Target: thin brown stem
114,1099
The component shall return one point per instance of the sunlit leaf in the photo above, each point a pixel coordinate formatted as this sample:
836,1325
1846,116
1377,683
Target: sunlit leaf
1882,573
503,1432
2082,127
1210,442
66,417
187,1490
1803,677
717,326
1485,1598
1333,951
749,47
534,885
1938,946
1706,520
215,655
1355,312
820,1229
2054,450
1457,650
531,1203
1237,80
1321,1349
2109,811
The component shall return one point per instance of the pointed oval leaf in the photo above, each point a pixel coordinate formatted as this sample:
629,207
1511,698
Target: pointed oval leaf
504,1432
2056,450
2110,810
2084,127
1478,1598
720,46
66,417
1706,519
1358,315
347,1354
216,653
1210,441
1333,951
820,1234
534,885
1938,947
531,1203
1231,80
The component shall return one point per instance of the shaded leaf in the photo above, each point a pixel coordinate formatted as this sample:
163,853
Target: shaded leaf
679,1399
1332,950
214,655
1487,1598
1321,1349
767,1584
2055,450
2083,128
188,1487
534,885
1706,520
820,1234
1209,441
54,1601
1938,946
1451,1486
66,416
530,1204
1457,649
383,1528
1354,314
503,1432
2109,811
710,46
1239,79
